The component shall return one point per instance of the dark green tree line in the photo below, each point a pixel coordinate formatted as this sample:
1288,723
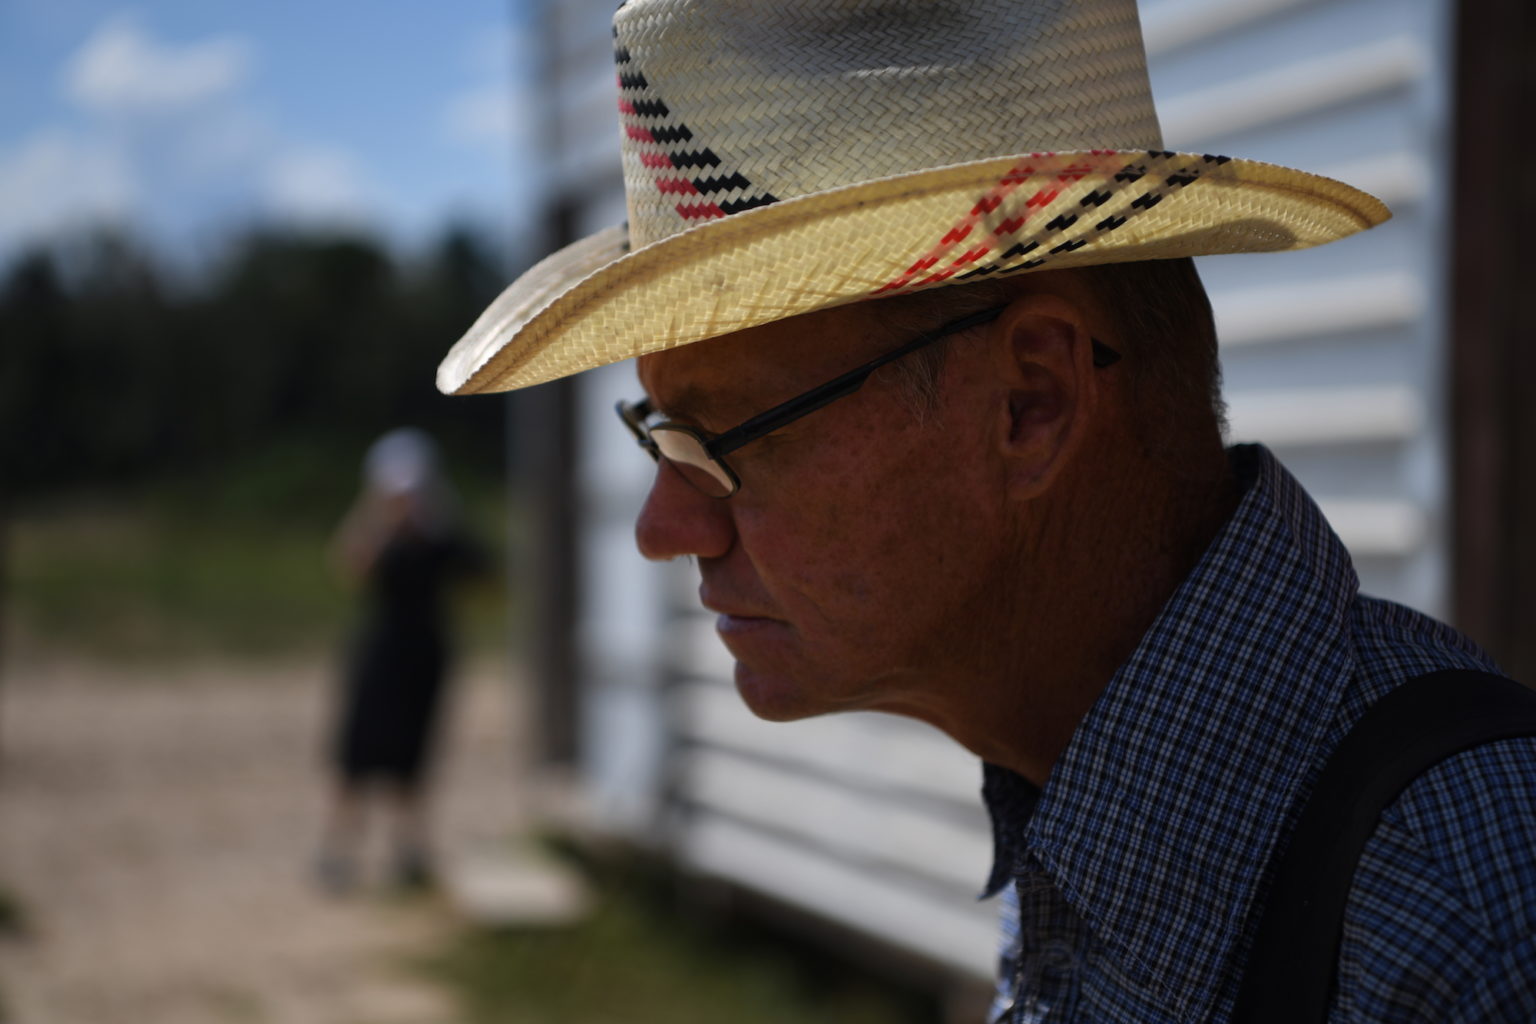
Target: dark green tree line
113,371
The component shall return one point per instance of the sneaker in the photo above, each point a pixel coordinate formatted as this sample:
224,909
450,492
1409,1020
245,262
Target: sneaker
335,875
414,871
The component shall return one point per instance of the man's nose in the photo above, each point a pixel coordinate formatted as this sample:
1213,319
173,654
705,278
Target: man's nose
678,519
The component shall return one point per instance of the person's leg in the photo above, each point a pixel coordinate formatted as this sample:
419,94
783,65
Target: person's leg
336,869
413,853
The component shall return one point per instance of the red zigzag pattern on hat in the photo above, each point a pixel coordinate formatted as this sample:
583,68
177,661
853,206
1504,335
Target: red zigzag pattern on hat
1169,171
666,146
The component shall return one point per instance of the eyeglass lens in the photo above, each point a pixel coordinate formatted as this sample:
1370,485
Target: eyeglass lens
686,453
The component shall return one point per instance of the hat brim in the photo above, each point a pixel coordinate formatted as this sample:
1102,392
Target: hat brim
595,302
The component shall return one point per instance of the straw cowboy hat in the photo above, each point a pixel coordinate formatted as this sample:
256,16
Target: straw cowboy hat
787,156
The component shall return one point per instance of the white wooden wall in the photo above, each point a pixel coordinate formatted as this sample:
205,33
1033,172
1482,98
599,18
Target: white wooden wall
1332,357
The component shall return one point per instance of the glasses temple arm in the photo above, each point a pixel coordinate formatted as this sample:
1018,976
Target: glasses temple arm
786,412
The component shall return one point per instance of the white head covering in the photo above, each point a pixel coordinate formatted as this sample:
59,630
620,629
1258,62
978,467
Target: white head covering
404,463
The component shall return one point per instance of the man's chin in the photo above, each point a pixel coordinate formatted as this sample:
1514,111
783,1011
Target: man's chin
775,697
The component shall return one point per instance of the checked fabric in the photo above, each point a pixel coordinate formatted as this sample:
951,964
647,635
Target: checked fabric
1131,882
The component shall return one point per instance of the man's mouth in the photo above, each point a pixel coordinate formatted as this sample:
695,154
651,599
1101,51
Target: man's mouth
727,623
731,611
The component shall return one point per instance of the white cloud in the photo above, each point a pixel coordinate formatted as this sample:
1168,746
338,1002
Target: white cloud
175,134
173,129
122,69
225,139
54,181
319,184
486,117
497,50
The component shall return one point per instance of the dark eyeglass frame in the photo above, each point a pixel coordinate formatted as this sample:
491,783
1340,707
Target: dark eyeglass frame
717,447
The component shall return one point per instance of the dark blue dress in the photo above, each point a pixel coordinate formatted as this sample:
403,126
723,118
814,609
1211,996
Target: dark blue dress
394,678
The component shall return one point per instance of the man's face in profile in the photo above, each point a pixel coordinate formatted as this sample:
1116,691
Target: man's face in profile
862,547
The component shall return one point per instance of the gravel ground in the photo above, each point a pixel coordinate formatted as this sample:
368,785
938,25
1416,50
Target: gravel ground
158,831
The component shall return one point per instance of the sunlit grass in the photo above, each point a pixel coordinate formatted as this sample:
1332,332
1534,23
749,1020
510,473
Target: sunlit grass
172,576
123,581
637,961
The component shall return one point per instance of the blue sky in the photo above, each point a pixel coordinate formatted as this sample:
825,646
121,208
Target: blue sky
186,119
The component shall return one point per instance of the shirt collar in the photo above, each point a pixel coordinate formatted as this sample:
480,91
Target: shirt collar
1160,816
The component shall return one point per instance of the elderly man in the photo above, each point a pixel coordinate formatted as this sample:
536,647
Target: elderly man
933,390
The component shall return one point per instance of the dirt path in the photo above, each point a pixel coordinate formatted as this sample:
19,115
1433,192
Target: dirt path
158,831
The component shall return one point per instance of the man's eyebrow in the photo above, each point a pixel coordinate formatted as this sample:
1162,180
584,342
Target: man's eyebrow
689,403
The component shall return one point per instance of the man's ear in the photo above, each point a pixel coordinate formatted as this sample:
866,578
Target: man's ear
1049,394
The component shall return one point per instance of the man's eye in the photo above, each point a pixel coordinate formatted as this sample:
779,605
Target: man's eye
770,444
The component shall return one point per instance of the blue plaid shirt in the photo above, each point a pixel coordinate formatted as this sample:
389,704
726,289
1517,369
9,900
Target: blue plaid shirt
1132,881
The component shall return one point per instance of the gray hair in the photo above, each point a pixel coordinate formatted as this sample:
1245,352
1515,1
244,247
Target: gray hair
1160,313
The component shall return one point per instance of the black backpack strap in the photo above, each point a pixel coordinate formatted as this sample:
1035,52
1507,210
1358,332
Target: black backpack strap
1424,721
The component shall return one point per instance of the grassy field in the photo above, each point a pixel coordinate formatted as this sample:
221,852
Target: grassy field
188,573
637,960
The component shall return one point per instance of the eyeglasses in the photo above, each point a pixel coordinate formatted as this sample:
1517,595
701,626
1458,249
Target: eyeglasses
700,458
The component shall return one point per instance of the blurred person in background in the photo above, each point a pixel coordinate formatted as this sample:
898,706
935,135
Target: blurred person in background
404,546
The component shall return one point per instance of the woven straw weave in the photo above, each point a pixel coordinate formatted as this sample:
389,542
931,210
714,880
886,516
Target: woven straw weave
790,156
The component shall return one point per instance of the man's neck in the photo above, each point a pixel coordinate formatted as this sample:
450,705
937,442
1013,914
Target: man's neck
1079,619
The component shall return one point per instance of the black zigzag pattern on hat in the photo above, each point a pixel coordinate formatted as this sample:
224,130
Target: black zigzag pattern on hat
695,158
1169,178
651,108
660,136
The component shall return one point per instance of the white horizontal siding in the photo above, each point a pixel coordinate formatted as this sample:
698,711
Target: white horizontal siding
1294,89
866,828
868,750
1331,357
1171,24
1378,529
1397,178
958,934
1271,313
1323,416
